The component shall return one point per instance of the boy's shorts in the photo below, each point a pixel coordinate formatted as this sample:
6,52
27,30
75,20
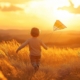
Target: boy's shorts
35,60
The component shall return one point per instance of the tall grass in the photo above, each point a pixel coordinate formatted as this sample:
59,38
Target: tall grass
56,63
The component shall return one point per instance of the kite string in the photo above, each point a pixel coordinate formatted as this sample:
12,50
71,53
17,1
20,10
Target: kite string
58,36
51,36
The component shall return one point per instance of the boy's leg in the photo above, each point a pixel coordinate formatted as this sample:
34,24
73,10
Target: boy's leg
35,61
38,61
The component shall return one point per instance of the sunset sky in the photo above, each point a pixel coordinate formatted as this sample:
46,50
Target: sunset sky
25,14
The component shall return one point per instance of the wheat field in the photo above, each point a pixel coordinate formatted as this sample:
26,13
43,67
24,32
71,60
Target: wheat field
56,63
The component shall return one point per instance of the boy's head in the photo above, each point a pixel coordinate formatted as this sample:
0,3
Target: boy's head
34,32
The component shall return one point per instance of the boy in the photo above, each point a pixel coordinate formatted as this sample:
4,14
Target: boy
34,48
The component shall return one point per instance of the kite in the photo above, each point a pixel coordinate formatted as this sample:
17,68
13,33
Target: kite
58,25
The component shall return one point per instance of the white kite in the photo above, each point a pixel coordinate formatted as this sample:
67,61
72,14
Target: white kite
58,25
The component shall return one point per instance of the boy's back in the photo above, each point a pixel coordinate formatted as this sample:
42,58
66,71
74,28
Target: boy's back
35,47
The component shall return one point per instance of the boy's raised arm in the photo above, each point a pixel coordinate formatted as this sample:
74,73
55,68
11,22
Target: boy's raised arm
44,46
22,46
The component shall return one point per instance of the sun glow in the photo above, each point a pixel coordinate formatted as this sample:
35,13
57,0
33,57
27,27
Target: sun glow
48,9
63,15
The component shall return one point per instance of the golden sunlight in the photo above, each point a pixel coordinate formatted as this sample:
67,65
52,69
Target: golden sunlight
48,10
63,15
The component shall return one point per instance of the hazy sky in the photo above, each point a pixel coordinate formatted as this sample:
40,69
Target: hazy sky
24,14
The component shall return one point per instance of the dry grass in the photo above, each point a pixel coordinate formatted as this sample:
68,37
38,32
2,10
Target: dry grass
56,63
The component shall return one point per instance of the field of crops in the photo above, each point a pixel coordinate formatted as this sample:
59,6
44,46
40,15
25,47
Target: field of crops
56,63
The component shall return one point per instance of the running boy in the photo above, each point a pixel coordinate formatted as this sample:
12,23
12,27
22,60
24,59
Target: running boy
34,48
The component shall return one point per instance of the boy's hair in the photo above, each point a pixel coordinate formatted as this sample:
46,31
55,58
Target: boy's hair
34,32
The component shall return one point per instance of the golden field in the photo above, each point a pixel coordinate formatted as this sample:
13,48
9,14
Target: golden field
56,63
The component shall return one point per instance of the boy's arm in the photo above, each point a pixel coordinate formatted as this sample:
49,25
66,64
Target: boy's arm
44,46
22,46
